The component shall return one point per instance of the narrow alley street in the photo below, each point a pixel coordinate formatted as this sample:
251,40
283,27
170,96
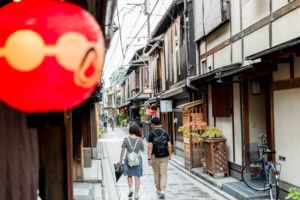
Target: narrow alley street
179,186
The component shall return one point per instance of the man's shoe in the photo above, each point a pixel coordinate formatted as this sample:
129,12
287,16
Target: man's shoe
136,196
130,194
162,194
158,192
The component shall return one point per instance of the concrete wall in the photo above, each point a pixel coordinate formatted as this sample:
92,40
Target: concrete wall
287,137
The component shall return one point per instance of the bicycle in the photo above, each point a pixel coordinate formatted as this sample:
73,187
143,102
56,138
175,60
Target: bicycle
260,174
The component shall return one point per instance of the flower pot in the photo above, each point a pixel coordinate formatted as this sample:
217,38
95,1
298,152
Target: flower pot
216,156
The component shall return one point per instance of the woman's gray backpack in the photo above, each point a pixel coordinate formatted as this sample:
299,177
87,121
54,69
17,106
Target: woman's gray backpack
133,158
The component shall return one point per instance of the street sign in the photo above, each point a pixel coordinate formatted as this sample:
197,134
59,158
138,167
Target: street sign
165,106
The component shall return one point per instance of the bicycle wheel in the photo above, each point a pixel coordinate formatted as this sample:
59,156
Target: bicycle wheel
273,182
253,175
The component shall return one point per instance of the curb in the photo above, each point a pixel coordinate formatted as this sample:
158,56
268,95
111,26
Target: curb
201,180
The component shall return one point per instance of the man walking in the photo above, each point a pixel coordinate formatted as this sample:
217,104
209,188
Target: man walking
159,153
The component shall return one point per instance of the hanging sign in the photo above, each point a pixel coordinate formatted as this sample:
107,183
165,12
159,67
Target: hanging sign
51,55
166,106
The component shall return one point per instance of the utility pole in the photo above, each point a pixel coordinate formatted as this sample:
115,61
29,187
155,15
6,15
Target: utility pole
147,7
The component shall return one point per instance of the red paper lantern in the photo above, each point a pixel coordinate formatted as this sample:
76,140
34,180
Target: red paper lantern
51,55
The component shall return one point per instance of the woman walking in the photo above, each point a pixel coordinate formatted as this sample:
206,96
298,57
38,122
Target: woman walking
133,164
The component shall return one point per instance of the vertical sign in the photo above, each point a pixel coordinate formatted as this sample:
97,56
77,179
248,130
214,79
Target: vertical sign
166,106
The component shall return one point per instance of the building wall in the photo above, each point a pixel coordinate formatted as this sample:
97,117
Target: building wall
287,137
282,73
237,51
287,22
237,124
235,16
210,117
253,11
297,68
286,120
256,41
222,57
219,36
223,123
257,115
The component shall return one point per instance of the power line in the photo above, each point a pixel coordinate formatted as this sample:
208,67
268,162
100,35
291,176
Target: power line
142,25
170,16
120,31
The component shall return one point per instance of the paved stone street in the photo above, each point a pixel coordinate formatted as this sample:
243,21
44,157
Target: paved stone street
179,186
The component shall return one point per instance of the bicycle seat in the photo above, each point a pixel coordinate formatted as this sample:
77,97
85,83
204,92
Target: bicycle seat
269,151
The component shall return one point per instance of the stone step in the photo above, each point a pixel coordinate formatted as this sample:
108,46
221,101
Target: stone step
241,191
93,174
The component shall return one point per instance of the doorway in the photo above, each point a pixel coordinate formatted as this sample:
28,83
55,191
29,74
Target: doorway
257,119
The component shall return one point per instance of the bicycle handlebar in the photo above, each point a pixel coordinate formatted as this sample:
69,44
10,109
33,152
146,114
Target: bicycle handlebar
262,136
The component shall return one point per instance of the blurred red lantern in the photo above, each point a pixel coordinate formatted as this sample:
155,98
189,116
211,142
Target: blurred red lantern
51,55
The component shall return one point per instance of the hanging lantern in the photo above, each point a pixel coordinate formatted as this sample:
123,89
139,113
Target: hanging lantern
51,55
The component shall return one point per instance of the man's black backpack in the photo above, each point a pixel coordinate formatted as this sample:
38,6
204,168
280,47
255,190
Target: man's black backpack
160,144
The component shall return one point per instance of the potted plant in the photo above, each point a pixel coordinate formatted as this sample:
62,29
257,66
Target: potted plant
184,130
212,132
215,151
192,133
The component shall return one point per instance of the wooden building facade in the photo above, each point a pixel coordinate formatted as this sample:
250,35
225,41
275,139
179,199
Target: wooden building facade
247,64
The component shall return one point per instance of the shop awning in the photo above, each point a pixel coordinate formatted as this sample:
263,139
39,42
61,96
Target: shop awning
140,96
152,100
124,104
190,104
174,91
291,44
143,96
209,76
233,72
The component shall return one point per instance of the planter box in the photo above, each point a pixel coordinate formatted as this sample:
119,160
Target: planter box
193,152
216,156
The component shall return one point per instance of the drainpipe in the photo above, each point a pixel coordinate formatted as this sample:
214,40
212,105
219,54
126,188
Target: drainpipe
185,10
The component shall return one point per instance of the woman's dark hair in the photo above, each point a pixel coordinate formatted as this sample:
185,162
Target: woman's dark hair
134,129
155,121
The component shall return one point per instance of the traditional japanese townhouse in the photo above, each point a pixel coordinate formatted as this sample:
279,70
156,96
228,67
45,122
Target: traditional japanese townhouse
138,80
247,66
124,105
169,67
40,151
